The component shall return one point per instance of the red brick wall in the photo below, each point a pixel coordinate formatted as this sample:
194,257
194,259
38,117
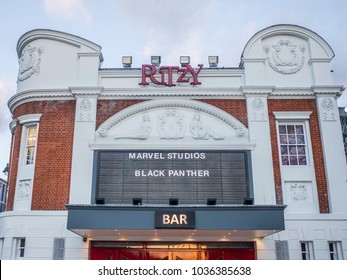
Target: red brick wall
107,108
235,107
55,139
53,157
300,105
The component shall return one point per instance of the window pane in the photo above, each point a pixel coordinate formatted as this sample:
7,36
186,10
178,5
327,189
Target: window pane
284,150
282,129
301,150
292,150
302,160
293,160
300,139
285,160
283,139
291,129
299,129
292,139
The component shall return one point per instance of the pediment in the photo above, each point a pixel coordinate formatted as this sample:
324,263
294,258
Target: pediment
171,123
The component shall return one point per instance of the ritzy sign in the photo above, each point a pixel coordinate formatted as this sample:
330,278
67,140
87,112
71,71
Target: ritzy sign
166,73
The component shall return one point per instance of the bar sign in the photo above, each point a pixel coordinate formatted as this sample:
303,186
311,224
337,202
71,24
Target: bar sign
177,219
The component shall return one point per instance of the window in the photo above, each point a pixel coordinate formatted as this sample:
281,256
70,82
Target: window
19,248
292,144
307,252
335,250
31,145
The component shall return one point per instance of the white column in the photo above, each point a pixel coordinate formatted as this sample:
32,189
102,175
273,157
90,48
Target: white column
259,133
333,149
82,155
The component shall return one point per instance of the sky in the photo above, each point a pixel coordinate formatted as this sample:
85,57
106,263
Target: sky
142,28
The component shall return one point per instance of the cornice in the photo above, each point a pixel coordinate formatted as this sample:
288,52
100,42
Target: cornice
335,90
38,95
86,91
30,118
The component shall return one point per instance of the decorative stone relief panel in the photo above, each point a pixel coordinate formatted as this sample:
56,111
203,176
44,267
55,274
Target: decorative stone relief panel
299,196
172,125
29,62
84,113
24,190
328,109
258,110
285,57
298,192
166,122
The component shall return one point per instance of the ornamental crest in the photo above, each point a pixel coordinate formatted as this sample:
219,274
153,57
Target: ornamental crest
171,125
298,192
285,57
29,62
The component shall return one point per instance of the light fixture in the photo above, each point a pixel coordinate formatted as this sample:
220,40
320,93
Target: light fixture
5,171
127,61
213,61
184,60
248,201
173,201
155,60
100,201
137,201
211,201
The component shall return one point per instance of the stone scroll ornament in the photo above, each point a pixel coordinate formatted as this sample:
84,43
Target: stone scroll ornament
29,62
285,57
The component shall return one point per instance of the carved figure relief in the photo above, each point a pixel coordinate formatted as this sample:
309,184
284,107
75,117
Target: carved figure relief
171,125
328,109
201,131
258,110
285,57
85,113
24,190
142,132
298,192
29,62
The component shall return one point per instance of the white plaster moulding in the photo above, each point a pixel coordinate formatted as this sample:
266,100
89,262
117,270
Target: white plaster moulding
328,90
293,115
38,95
30,118
192,93
172,103
55,36
232,147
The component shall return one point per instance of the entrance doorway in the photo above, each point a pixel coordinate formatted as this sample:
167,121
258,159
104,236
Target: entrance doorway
100,250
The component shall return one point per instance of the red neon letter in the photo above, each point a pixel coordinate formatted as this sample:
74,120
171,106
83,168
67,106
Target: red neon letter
194,74
150,75
169,72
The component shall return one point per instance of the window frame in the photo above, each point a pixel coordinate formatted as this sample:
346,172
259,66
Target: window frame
295,118
335,250
289,145
31,146
27,122
308,252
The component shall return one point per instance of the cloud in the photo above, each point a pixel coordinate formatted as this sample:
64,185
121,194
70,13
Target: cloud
70,10
5,115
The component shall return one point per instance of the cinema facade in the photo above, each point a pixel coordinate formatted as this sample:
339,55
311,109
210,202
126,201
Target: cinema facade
176,162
